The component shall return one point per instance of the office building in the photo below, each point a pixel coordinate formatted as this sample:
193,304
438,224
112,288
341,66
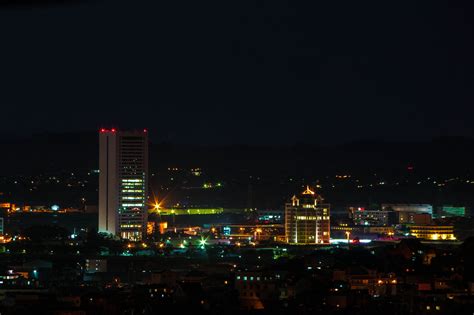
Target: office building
307,219
452,211
270,216
433,232
414,218
257,232
412,208
374,217
123,162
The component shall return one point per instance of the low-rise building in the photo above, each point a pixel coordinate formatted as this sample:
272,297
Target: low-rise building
374,217
256,289
433,232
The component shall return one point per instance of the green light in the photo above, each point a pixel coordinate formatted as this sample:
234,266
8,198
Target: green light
203,242
191,211
451,211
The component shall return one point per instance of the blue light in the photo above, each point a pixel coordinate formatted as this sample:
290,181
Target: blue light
55,207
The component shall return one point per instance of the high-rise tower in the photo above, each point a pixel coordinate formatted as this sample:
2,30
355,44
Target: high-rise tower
123,182
307,219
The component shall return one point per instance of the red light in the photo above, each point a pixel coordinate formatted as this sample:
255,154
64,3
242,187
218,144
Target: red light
410,168
144,130
102,130
113,130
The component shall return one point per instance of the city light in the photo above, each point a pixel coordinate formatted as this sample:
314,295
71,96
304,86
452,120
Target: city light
305,158
203,242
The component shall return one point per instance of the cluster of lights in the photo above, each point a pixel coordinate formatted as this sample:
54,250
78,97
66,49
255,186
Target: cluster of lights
102,130
107,130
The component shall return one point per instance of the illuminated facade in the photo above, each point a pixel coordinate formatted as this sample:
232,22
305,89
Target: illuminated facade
258,232
409,208
433,232
307,219
373,217
123,162
452,211
190,211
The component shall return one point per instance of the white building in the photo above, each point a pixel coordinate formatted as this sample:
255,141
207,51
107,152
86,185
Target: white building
123,181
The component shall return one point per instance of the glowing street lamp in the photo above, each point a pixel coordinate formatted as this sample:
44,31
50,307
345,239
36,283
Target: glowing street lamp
157,206
203,242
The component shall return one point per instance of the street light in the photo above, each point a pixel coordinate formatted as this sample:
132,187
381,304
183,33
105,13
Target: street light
203,242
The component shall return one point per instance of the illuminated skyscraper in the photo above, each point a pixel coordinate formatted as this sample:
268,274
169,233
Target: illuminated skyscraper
123,179
307,219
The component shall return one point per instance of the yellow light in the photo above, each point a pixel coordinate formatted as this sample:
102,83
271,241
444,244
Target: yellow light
308,191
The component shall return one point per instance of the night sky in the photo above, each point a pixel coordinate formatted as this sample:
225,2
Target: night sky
271,72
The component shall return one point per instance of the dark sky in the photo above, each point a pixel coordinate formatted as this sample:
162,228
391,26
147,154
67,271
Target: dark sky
240,71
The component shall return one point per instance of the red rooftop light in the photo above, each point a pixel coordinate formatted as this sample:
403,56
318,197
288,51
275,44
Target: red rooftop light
144,130
102,130
113,130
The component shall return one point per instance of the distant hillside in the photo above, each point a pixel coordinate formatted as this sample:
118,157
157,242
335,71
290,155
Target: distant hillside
73,151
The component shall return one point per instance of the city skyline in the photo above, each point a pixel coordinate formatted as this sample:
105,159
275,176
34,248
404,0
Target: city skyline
236,157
